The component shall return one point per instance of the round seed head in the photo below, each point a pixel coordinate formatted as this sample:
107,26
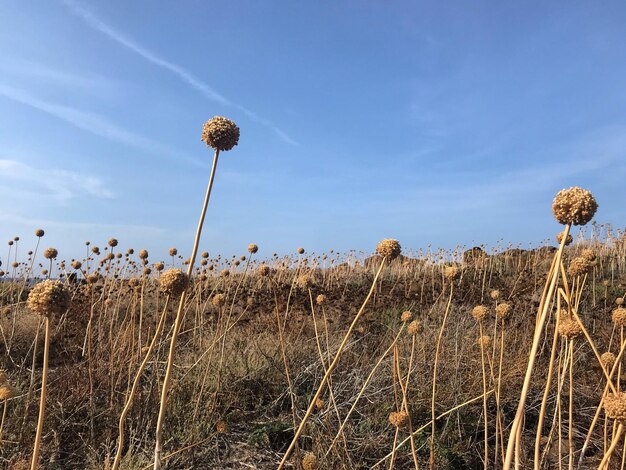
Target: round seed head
619,316
399,419
220,133
173,251
300,250
615,406
321,299
264,270
304,281
218,300
50,253
484,341
93,278
39,233
173,282
76,264
221,427
389,248
608,359
406,316
7,392
574,206
619,301
225,273
479,312
48,297
3,377
503,310
588,254
112,242
252,248
309,462
579,266
568,240
143,254
494,294
205,254
451,273
414,328
159,266
569,328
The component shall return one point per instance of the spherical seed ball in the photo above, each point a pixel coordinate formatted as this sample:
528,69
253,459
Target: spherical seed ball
147,271
50,253
389,248
605,283
95,250
15,264
579,267
220,133
205,254
615,406
159,266
112,242
569,328
218,300
319,404
173,282
304,281
76,264
399,418
494,294
619,301
3,377
7,392
39,233
451,273
574,206
479,312
44,272
48,297
225,273
608,360
309,462
134,283
300,250
568,240
484,341
406,316
264,270
321,299
252,248
588,254
203,262
503,310
10,242
415,327
221,427
143,254
173,251
619,316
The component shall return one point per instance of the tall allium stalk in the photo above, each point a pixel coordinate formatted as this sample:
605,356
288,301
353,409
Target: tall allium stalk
46,298
573,206
220,134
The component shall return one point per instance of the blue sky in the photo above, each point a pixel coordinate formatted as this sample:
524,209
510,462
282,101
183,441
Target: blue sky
441,123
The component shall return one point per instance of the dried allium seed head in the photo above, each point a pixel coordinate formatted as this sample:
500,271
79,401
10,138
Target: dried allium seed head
134,283
3,377
173,282
112,242
615,406
389,248
484,341
608,359
39,233
304,281
218,300
76,264
588,254
494,294
309,462
236,263
569,328
264,270
399,418
50,253
406,316
619,316
451,273
48,297
220,133
7,392
619,301
95,250
159,266
147,271
319,404
579,266
221,427
300,251
252,248
479,312
568,240
205,254
321,299
415,327
173,251
574,206
143,254
203,262
503,310
225,273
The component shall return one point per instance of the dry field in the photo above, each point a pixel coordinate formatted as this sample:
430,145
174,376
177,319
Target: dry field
447,359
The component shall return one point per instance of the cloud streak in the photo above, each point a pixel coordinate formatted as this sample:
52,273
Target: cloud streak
183,74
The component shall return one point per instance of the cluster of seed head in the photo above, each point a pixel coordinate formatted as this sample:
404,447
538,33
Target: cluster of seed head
389,248
220,133
451,273
503,310
619,301
484,341
479,312
569,328
568,240
304,281
619,316
608,360
50,253
579,266
221,427
574,206
588,254
39,233
173,282
406,316
494,294
414,328
309,461
615,406
399,419
6,390
320,299
252,248
48,297
264,270
218,300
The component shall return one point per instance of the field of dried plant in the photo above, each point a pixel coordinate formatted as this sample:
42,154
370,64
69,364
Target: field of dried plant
468,358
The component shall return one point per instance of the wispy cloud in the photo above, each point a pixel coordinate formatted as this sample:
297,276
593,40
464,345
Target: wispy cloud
92,123
182,73
19,180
